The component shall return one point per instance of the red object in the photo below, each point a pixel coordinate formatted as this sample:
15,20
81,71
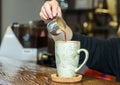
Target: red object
97,74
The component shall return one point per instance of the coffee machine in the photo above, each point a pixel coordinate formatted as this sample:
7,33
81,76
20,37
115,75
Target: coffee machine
28,42
12,48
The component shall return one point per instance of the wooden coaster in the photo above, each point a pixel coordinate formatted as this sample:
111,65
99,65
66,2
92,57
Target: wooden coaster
77,78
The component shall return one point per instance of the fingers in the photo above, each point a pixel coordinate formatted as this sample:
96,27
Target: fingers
49,10
46,12
55,9
44,18
43,13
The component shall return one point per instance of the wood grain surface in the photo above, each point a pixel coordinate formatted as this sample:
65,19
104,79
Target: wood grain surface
14,72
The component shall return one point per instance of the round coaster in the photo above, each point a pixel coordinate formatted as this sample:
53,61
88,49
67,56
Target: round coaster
77,78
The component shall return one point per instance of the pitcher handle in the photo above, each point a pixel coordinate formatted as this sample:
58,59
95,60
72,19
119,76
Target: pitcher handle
85,60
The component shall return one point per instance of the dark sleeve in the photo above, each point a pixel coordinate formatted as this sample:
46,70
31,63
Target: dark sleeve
104,55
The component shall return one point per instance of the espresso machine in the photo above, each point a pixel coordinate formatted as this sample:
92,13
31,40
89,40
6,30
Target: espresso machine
27,42
12,48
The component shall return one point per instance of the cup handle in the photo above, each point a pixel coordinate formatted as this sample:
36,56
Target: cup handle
85,60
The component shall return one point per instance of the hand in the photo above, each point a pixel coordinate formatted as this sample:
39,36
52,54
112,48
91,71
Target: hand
50,10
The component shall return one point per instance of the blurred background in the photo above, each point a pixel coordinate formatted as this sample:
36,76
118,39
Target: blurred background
94,18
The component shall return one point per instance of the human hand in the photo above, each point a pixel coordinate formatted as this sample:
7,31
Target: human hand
50,10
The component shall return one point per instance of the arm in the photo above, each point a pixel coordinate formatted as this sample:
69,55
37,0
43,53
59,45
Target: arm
46,14
49,11
104,55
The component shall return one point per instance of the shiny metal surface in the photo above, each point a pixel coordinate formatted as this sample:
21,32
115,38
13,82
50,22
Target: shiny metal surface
56,26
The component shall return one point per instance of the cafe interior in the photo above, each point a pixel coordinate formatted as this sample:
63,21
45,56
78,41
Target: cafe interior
24,35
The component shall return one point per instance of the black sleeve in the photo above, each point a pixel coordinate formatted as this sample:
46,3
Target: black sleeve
104,55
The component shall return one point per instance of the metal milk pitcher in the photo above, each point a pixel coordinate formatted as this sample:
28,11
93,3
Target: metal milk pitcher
56,26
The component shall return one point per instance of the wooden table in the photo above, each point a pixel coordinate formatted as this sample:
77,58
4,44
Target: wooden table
14,72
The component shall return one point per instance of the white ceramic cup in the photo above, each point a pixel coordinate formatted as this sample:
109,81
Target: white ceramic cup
67,54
